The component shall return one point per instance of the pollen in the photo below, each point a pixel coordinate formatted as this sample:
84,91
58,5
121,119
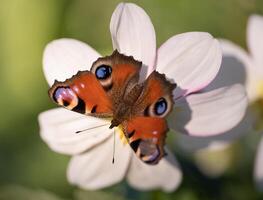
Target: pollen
121,135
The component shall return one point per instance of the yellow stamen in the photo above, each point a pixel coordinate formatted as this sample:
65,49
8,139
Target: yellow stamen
121,134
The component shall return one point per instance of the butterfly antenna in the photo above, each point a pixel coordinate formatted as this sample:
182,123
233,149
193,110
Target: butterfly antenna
113,147
92,128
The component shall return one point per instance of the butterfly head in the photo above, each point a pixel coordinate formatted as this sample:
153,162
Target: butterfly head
114,123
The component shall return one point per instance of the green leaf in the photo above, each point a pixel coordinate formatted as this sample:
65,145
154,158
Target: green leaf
16,192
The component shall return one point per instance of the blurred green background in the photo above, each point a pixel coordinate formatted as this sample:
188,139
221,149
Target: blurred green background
28,168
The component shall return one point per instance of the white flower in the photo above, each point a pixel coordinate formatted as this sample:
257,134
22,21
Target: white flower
246,68
192,60
252,76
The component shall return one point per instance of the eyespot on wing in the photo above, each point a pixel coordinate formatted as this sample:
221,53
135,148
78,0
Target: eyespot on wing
83,94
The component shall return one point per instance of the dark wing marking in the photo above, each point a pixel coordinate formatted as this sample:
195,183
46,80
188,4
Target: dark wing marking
146,137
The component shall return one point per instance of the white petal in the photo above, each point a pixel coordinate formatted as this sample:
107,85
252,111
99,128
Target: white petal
191,143
94,169
255,38
258,171
210,113
133,34
65,57
192,60
237,67
58,129
166,175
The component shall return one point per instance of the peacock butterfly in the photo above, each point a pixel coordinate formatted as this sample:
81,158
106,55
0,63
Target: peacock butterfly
111,89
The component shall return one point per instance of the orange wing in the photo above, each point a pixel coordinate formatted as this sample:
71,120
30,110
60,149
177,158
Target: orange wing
82,93
97,91
146,132
146,137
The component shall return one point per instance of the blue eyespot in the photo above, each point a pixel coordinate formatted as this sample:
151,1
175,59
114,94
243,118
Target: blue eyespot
103,72
160,106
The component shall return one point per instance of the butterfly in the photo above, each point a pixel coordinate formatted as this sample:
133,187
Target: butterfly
111,89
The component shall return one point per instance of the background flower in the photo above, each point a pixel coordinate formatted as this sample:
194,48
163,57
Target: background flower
250,73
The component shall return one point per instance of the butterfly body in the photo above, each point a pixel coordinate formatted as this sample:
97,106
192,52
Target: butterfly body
125,108
112,89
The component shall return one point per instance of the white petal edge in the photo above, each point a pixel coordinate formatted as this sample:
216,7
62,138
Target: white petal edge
191,59
255,39
252,73
210,113
191,144
258,168
94,169
133,34
166,175
63,58
58,129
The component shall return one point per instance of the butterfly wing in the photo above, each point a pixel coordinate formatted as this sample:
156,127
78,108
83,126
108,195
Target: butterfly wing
82,93
96,92
146,131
